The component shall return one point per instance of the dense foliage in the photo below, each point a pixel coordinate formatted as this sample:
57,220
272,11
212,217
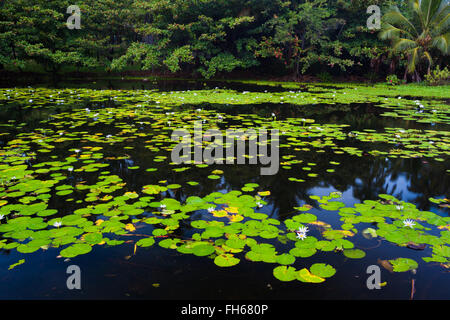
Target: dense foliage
206,37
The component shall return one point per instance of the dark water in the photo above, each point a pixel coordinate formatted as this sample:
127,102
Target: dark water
107,274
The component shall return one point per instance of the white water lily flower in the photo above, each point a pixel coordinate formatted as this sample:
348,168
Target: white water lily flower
302,230
259,204
162,206
77,150
70,169
399,207
57,224
211,209
409,223
2,216
301,236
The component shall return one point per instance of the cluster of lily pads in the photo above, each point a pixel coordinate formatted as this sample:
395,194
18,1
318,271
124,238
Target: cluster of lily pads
66,158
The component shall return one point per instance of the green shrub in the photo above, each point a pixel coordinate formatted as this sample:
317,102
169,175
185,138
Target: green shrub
438,76
392,80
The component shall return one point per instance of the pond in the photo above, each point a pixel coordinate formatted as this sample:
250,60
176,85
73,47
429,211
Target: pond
88,179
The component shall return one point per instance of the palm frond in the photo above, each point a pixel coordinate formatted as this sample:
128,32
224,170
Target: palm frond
427,56
429,9
441,21
442,12
396,18
415,4
441,25
413,60
389,32
403,44
442,43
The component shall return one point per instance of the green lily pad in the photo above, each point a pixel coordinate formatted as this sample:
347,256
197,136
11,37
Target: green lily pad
354,253
285,259
203,250
75,250
284,273
322,270
403,264
226,260
146,242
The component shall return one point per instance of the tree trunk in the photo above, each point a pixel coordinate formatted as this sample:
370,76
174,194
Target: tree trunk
405,76
417,76
392,66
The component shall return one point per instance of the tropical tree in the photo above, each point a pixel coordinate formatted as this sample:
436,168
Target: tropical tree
420,37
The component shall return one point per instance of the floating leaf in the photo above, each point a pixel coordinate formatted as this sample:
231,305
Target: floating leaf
75,250
304,275
354,253
403,264
18,263
203,250
226,260
284,273
146,242
322,270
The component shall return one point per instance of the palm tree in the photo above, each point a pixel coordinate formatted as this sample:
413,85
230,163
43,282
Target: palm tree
422,36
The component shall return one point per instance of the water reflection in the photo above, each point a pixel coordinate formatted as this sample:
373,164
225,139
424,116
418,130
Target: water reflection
357,178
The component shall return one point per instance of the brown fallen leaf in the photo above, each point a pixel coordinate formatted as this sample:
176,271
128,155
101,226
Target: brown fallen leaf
415,246
386,264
